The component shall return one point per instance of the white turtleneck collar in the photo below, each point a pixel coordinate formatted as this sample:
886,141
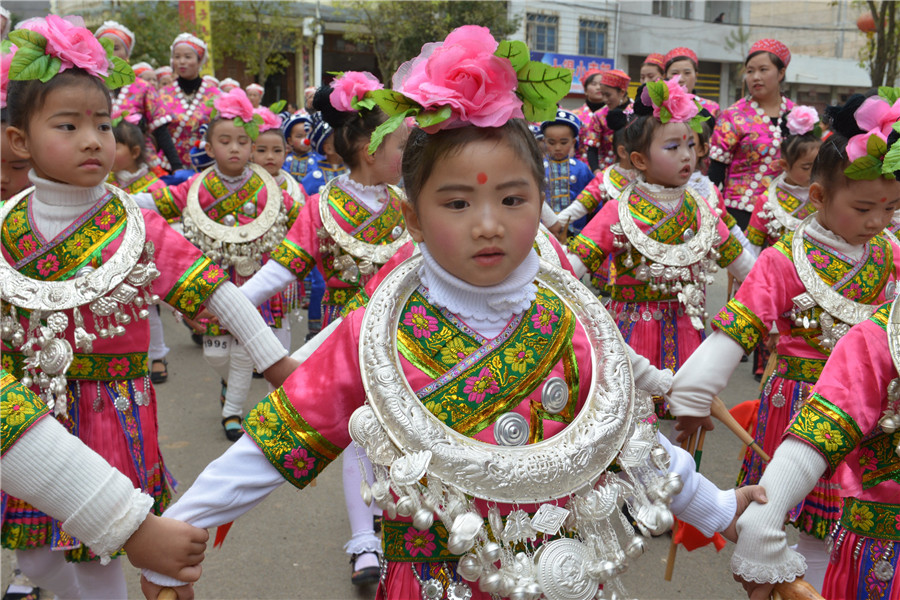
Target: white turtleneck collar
372,197
126,178
233,182
828,237
55,205
798,191
486,309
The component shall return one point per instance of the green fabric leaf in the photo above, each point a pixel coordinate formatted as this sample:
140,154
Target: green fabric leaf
278,106
388,127
393,103
24,38
896,127
659,92
541,87
891,160
120,73
515,52
875,146
696,125
891,94
30,63
864,167
664,115
367,103
433,117
107,45
6,47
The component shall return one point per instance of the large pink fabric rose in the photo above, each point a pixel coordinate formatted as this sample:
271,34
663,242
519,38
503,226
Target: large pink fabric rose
680,102
270,119
802,119
463,72
73,45
876,113
856,146
5,61
234,104
350,84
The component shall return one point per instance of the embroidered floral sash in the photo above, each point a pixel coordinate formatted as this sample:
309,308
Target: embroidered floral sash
228,202
372,228
477,380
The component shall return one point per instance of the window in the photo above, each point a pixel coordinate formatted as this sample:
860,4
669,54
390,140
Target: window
591,37
541,32
676,9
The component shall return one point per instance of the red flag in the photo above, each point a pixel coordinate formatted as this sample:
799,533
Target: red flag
691,538
221,532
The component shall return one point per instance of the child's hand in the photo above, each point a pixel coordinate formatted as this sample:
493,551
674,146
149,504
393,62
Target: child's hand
195,325
152,591
771,342
744,496
277,373
689,425
756,591
169,547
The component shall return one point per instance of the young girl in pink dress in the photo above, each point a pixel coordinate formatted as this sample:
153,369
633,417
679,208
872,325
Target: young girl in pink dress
683,63
479,330
663,239
786,202
815,282
614,91
81,263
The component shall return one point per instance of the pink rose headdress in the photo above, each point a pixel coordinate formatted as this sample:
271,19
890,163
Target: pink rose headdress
236,105
349,91
123,115
270,116
51,45
671,102
802,120
871,154
6,58
470,79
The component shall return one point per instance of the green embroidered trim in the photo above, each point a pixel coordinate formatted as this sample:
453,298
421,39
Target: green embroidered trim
740,324
16,234
878,460
668,228
91,367
360,300
339,296
588,252
755,236
292,214
826,428
729,251
141,183
195,286
496,382
799,369
728,220
402,542
871,519
292,445
232,203
20,408
166,205
293,258
881,315
380,228
589,201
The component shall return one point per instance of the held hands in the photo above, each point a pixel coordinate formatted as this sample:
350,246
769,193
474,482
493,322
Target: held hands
687,426
169,547
756,591
744,496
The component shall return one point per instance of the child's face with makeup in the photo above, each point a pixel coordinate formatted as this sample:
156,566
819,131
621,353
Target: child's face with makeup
671,158
69,139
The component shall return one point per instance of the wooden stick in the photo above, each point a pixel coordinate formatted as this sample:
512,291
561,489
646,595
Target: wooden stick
167,594
720,412
698,451
688,445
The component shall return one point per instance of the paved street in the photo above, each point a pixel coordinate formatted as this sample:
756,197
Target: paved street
290,546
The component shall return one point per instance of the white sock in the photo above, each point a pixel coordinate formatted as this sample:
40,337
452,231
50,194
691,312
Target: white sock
49,570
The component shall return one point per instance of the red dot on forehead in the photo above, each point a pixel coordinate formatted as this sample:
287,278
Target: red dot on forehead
884,199
88,112
482,178
684,137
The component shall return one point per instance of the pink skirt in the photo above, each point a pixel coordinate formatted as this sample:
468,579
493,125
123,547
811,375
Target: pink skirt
852,577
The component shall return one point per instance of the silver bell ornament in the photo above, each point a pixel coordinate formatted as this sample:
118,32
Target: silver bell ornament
469,568
423,519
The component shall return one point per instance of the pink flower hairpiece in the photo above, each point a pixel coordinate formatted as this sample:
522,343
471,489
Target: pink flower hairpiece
470,79
123,115
236,105
54,44
5,61
802,120
869,154
270,120
349,90
672,102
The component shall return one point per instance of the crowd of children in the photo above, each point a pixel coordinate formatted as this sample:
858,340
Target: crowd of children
445,326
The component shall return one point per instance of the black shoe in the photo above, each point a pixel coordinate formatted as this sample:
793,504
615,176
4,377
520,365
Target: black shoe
232,433
223,392
159,376
366,576
197,338
376,523
257,374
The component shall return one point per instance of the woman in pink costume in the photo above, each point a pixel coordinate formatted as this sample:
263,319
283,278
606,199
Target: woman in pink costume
683,63
614,91
593,102
831,272
745,144
186,100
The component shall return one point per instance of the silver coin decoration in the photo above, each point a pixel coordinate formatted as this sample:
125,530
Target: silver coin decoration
778,400
555,395
511,429
883,570
432,590
457,590
562,572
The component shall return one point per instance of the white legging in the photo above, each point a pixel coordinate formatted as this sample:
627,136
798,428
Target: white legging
48,569
816,554
158,349
362,534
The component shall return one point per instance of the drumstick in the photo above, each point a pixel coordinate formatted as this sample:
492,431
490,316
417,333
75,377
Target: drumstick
167,593
687,444
720,412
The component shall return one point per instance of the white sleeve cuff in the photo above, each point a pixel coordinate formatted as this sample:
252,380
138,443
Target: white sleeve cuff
740,267
268,281
656,382
572,212
548,217
762,554
242,319
704,375
700,503
145,200
57,473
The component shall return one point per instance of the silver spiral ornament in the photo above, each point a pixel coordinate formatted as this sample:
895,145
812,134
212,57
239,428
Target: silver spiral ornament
511,429
56,356
555,395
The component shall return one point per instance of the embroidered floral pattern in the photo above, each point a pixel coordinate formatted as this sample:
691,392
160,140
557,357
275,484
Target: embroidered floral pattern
740,324
827,428
422,324
298,461
872,519
419,543
47,265
519,357
91,367
482,384
195,286
544,319
20,408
